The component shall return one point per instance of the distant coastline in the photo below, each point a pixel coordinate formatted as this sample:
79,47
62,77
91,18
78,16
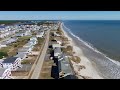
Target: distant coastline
107,67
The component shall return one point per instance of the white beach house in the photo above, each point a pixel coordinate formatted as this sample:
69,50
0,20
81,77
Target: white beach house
12,62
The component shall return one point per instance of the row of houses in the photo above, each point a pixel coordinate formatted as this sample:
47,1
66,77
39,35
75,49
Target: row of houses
13,29
62,61
8,41
6,34
8,30
40,34
23,33
13,63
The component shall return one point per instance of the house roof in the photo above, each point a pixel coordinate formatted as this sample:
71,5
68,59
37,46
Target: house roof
20,55
3,43
24,49
2,71
56,45
64,65
10,60
58,38
57,50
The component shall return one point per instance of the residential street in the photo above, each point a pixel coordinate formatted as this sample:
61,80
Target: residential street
37,70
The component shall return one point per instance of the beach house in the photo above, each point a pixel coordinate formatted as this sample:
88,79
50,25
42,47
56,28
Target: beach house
40,34
57,52
2,45
12,62
5,73
33,38
64,67
26,50
56,45
29,45
27,33
11,40
19,34
57,35
58,40
21,55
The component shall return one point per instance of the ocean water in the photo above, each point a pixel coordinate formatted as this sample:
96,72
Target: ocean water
100,42
104,35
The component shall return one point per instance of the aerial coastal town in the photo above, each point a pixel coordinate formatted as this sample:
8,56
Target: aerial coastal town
36,50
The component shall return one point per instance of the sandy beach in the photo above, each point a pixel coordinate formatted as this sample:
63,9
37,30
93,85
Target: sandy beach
89,70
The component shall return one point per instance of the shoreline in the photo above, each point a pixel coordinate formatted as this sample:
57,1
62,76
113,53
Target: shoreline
90,70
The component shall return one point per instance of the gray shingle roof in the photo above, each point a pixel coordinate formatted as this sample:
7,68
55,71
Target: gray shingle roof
24,49
10,60
57,50
21,55
63,65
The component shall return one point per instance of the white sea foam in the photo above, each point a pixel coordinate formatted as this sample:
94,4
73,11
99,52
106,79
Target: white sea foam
91,46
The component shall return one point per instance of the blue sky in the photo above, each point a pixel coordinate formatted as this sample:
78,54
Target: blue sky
60,15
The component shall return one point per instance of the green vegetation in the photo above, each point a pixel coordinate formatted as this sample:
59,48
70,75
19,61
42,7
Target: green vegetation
21,41
8,21
5,49
24,38
3,54
25,62
12,48
40,41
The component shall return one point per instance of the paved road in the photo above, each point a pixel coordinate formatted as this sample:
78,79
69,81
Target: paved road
37,70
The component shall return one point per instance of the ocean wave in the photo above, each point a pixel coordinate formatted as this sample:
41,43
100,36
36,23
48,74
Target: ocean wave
90,46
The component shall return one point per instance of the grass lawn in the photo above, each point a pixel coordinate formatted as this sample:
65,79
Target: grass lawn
12,49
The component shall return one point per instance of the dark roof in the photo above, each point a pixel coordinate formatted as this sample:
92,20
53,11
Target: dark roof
10,60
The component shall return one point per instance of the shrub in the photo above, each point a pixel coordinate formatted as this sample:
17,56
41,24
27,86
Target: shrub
15,45
3,54
76,59
69,48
